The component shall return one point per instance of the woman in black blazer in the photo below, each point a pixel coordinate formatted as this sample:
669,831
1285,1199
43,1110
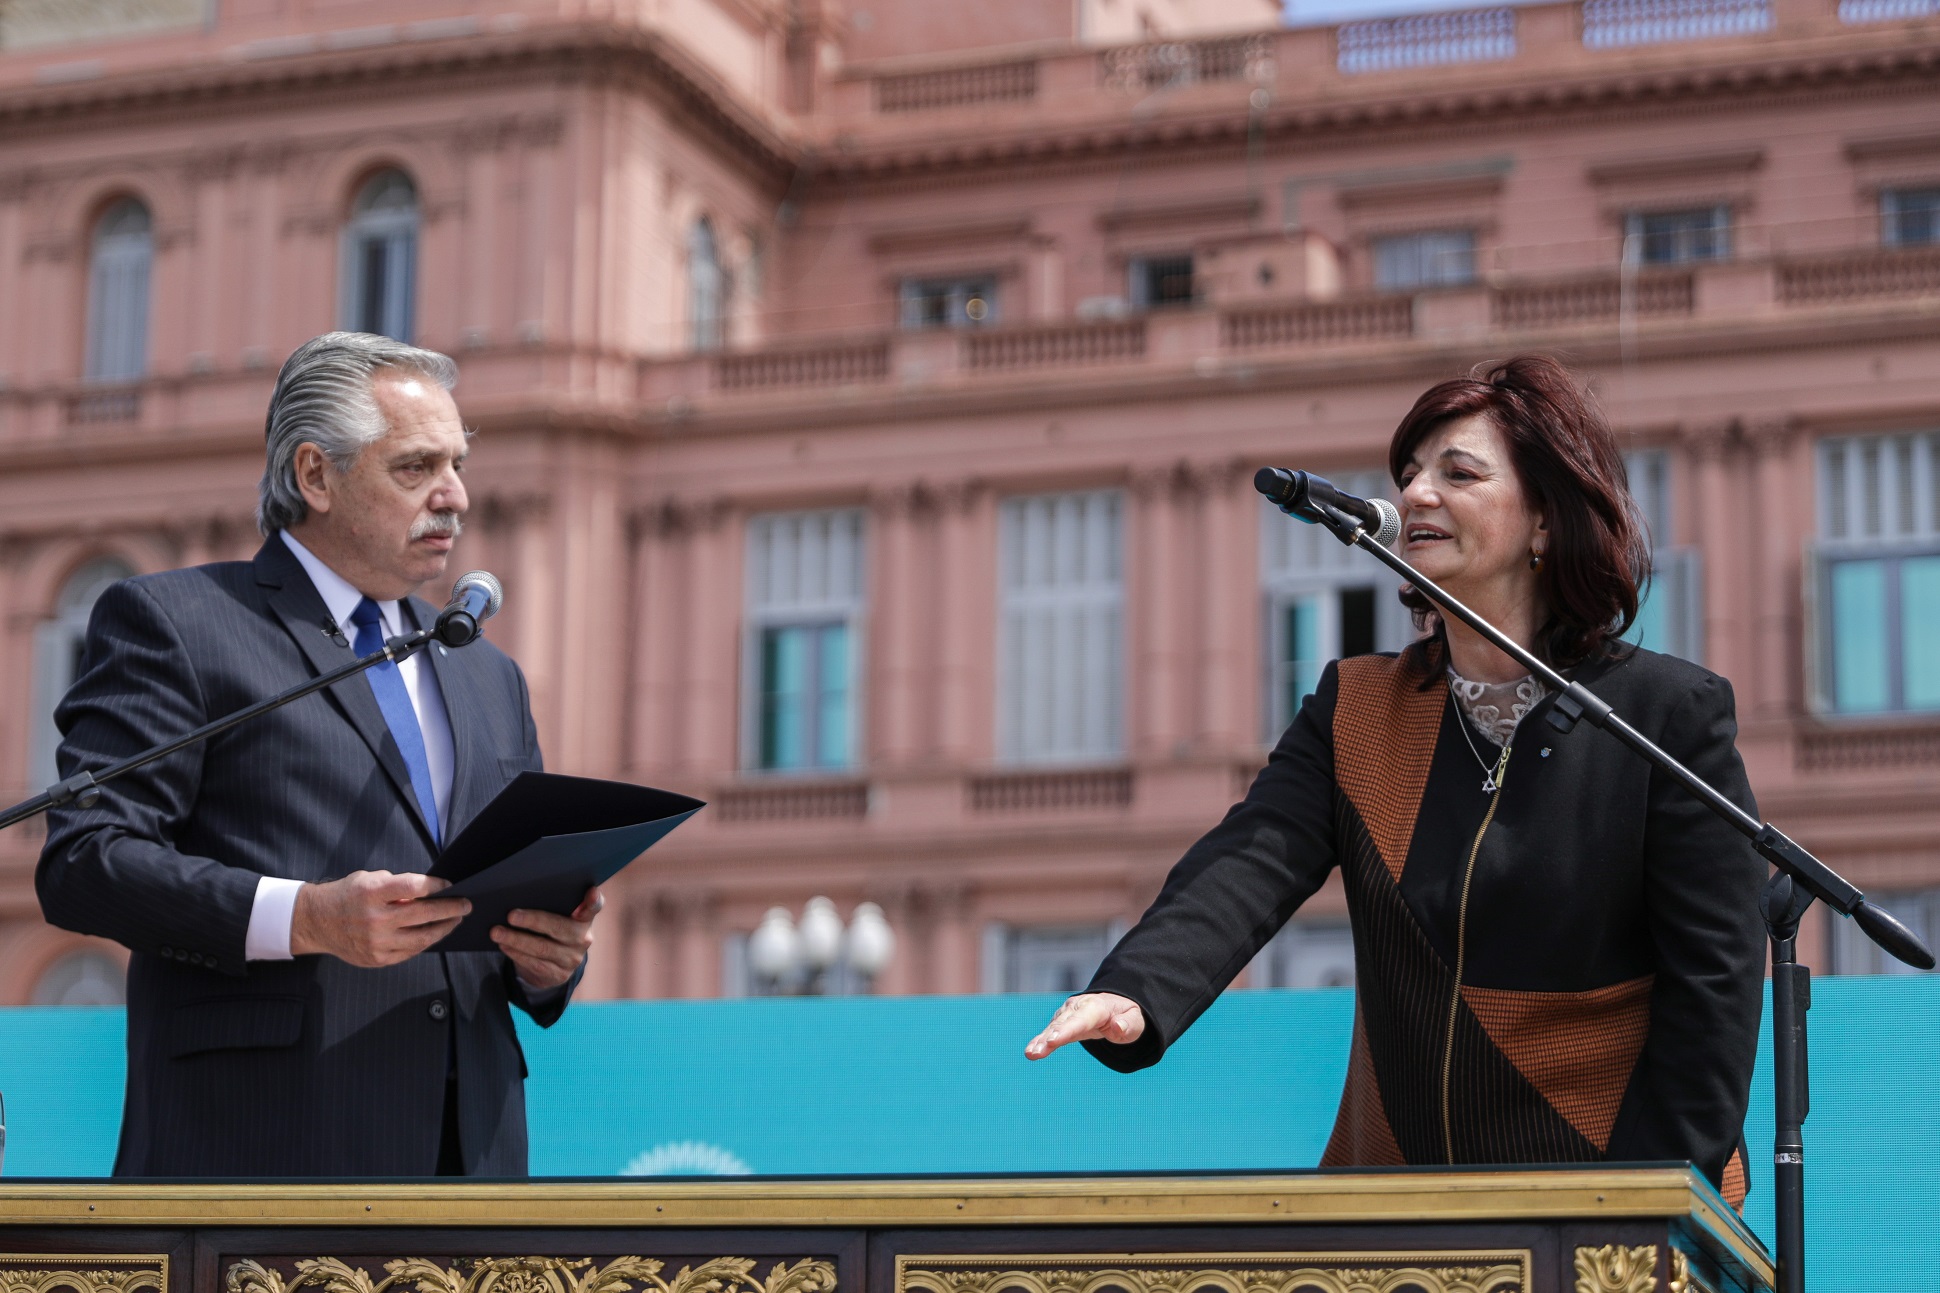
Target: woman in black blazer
1558,952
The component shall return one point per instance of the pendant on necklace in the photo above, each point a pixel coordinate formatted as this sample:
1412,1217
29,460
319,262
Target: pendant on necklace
1488,782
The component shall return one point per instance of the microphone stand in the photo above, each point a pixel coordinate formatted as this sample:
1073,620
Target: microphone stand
1800,878
84,788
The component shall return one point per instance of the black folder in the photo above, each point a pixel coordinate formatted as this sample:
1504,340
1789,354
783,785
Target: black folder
544,841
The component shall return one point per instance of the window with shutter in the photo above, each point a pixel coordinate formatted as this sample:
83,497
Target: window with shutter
1060,687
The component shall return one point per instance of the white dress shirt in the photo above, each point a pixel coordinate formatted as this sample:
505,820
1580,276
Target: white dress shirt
268,938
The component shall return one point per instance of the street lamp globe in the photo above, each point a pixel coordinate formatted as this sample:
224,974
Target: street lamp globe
870,941
821,934
774,949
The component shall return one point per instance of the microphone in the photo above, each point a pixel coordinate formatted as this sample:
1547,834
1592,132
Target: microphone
475,598
1295,492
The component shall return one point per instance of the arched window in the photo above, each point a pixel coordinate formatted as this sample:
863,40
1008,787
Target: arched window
58,643
82,979
118,265
381,257
706,287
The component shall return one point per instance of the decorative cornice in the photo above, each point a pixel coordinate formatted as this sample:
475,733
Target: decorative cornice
578,50
1675,166
1823,66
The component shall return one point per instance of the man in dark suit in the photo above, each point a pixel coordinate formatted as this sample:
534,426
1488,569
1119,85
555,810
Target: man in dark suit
284,1018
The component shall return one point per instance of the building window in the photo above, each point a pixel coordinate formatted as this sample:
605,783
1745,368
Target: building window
1410,262
805,582
1854,953
118,270
1307,954
707,288
82,979
1160,281
1670,617
948,302
1060,683
59,644
1677,237
380,257
1878,574
1909,217
1322,601
1044,958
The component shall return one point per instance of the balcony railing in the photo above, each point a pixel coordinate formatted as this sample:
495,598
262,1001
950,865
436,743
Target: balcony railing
1062,346
956,87
1607,298
1858,275
1319,323
1887,10
1613,24
1425,40
836,365
785,801
1060,791
117,404
1139,69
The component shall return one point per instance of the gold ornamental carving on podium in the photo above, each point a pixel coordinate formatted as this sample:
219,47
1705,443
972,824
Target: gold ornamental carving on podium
1451,1271
88,1273
1614,1268
533,1275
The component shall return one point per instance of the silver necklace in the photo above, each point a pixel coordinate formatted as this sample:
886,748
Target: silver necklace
1491,775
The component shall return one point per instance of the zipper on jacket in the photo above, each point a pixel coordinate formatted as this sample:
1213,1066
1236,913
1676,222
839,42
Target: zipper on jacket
1461,951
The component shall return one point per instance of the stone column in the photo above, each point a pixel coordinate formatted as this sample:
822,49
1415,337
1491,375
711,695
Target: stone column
1157,596
1777,619
1719,535
1228,633
711,603
897,606
953,957
968,635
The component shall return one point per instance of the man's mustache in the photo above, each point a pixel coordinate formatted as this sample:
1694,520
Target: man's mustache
442,525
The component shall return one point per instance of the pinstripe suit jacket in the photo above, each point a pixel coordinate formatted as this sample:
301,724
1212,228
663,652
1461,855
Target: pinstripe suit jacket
309,1067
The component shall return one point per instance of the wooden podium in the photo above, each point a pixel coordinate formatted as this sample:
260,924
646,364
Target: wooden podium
1521,1230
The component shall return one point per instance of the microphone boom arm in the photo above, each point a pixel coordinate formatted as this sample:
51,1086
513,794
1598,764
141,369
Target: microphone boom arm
84,788
1576,702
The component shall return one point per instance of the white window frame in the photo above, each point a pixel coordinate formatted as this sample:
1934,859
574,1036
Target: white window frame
121,261
1430,267
1878,499
962,292
707,288
803,569
1300,562
392,228
1634,239
1061,628
1889,215
1676,587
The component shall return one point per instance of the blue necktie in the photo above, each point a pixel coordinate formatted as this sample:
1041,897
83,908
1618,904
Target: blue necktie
395,701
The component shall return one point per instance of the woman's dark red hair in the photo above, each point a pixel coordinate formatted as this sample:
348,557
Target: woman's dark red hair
1598,556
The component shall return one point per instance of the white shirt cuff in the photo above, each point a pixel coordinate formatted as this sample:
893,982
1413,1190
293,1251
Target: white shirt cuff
270,917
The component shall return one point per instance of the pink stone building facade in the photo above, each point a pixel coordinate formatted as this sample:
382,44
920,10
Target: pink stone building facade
867,398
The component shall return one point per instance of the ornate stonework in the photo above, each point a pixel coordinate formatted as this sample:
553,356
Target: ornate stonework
530,1275
1331,1272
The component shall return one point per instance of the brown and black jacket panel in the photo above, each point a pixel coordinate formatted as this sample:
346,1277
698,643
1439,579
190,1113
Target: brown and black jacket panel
1610,950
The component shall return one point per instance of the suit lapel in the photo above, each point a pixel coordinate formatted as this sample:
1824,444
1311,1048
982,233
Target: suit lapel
294,601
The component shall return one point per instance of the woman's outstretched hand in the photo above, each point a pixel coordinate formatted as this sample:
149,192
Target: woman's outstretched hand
1095,1015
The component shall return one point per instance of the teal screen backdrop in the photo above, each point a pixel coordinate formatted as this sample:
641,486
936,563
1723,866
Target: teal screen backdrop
939,1084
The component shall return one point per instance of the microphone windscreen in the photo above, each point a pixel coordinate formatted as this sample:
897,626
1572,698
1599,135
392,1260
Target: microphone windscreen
481,579
1390,527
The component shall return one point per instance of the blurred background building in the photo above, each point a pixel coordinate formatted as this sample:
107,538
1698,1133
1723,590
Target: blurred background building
867,397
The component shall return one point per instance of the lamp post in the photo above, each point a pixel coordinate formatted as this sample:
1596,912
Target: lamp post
819,956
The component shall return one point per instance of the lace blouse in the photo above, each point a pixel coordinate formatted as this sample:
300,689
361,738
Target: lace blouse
1494,709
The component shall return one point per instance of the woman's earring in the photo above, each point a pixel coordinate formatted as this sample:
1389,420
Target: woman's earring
1536,559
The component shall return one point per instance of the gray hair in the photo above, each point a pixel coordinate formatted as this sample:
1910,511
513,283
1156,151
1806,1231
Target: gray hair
323,397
